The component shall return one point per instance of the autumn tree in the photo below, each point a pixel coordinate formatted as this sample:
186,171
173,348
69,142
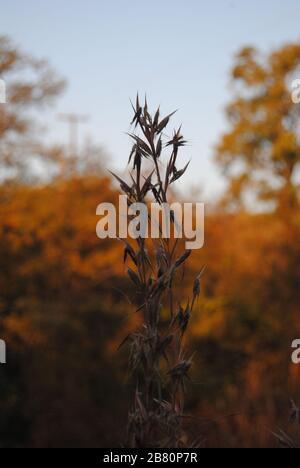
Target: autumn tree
31,84
261,149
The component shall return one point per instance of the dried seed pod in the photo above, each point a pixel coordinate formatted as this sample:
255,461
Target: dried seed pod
134,277
180,369
164,122
183,258
295,413
123,185
196,288
177,174
197,284
137,112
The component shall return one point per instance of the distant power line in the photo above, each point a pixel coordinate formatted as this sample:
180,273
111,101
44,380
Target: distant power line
73,120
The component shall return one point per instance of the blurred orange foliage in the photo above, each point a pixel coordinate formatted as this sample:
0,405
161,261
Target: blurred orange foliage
65,304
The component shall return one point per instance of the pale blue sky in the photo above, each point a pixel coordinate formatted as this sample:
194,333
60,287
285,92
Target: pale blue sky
180,53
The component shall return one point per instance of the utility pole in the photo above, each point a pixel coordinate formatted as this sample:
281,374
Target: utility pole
73,120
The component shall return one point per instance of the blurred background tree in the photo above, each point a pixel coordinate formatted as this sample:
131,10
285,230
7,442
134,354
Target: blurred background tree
260,153
31,85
